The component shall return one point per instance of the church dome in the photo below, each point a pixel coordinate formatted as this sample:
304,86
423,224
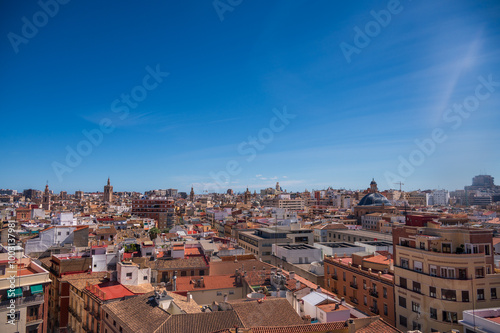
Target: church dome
374,199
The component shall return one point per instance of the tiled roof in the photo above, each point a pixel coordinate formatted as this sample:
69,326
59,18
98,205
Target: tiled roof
191,262
338,326
79,281
269,312
378,326
133,313
204,322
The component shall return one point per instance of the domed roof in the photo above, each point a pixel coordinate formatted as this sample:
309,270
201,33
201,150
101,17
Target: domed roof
374,199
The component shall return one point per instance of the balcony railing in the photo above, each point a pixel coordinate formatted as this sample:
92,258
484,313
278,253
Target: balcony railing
21,301
354,285
354,300
373,293
374,310
74,314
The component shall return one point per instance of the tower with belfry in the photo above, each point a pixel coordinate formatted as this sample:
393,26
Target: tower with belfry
46,198
108,192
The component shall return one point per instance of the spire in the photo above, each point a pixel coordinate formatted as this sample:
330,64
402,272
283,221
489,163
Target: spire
108,181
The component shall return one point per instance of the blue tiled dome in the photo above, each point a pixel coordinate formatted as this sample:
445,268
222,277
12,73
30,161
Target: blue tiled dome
374,199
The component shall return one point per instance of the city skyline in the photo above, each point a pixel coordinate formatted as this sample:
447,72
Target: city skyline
237,190
177,94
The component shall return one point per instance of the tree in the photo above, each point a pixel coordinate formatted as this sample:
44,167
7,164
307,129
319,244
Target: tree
153,232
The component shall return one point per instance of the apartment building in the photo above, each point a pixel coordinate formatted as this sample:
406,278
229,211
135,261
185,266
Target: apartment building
365,281
260,241
25,305
160,209
353,236
440,272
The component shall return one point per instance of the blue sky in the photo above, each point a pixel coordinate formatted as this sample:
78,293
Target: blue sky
350,119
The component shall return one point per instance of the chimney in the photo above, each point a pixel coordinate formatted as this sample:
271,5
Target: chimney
202,282
189,297
225,298
297,285
342,300
292,275
174,283
318,289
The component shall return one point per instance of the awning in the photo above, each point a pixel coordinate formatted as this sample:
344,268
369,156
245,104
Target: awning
36,289
17,293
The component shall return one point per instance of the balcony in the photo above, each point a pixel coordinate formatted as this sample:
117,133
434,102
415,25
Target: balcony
373,293
75,315
24,301
354,300
354,285
335,277
374,310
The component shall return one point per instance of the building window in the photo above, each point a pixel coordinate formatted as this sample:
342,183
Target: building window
17,315
422,245
433,313
345,291
416,287
448,294
343,275
447,272
493,293
465,295
402,282
415,307
405,263
432,270
402,302
417,266
202,272
365,300
386,310
480,294
231,292
480,272
364,284
450,317
219,293
129,275
487,250
432,292
114,323
385,292
462,273
446,247
416,326
402,321
145,277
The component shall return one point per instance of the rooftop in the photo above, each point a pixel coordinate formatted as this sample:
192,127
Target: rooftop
109,290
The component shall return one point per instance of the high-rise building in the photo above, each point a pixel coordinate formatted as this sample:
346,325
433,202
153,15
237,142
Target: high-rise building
78,195
108,193
440,271
483,183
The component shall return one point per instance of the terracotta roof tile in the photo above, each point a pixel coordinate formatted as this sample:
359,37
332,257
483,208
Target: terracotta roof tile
270,312
204,322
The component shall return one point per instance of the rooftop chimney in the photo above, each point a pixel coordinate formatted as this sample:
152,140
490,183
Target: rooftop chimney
292,275
189,297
